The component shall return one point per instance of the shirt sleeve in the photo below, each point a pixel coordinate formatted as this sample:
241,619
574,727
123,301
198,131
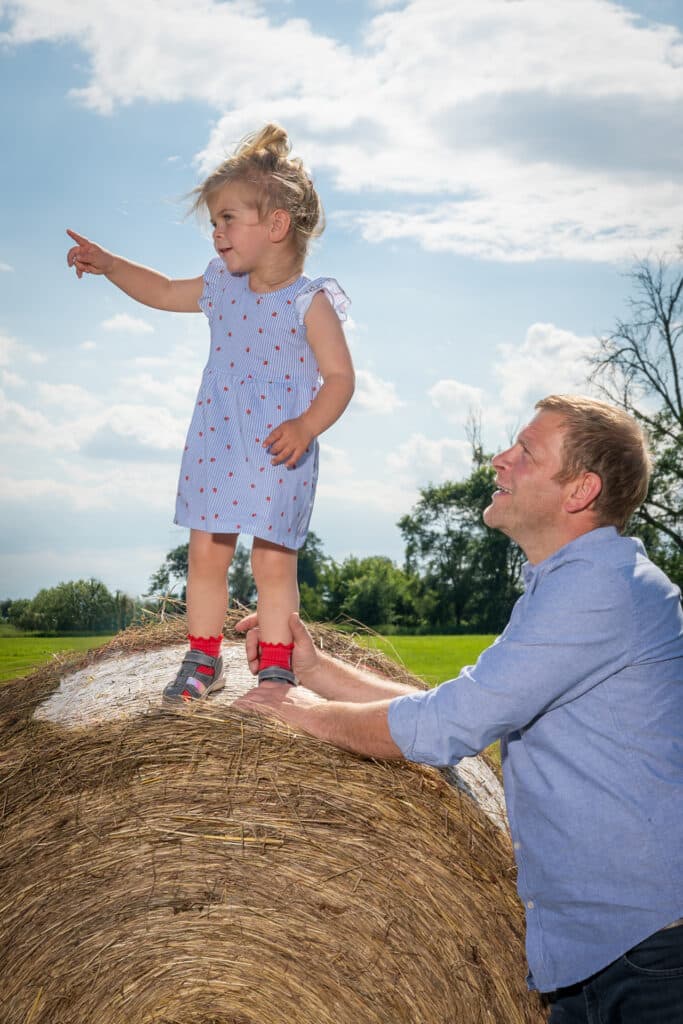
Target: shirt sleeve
212,277
332,289
566,636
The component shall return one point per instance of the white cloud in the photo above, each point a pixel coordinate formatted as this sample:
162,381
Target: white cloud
538,212
127,323
88,346
66,396
549,360
9,347
374,394
67,419
12,351
455,400
422,460
5,268
104,486
469,104
12,380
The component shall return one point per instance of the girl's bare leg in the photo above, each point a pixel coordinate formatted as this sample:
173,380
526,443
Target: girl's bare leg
209,559
274,569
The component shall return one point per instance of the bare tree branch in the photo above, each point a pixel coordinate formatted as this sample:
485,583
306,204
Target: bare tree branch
638,367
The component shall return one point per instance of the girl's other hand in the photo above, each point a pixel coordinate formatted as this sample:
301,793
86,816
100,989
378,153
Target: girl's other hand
288,442
87,257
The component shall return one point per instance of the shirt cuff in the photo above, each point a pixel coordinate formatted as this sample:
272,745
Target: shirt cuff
402,719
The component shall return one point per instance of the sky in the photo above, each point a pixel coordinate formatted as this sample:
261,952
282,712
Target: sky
490,173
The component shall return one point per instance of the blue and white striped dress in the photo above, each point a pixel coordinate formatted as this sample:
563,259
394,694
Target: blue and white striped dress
261,371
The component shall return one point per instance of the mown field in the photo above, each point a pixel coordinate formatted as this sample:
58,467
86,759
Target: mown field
19,654
435,658
432,658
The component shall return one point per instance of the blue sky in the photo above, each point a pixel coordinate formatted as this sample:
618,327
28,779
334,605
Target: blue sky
489,172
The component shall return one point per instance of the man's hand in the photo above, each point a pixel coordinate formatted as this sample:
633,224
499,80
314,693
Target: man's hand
288,703
304,656
288,442
87,257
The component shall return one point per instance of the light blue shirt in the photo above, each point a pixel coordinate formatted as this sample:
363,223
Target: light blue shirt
585,690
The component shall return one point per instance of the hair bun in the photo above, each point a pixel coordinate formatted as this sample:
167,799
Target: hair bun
270,139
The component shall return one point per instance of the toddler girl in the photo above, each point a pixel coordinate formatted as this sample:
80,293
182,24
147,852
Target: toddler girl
279,373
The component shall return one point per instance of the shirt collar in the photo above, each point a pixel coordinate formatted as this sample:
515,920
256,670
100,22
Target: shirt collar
580,545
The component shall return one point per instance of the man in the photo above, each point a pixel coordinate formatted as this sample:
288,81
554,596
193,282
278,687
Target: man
584,688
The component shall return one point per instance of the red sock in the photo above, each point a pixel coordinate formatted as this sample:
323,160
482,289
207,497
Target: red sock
210,645
275,654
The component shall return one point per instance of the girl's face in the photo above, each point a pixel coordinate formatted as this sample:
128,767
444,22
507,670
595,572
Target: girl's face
240,237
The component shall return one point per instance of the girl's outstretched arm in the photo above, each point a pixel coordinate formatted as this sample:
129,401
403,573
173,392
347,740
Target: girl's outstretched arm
141,283
288,441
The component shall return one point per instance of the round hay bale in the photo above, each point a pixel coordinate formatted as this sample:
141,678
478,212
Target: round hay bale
215,868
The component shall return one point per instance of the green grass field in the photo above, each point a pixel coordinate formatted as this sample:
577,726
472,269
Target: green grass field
432,658
19,654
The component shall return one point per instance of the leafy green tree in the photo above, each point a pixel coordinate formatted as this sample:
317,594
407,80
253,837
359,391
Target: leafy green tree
370,590
171,576
77,606
241,581
470,574
639,367
313,568
19,614
125,610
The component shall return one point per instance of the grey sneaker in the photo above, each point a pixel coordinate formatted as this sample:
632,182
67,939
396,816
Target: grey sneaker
190,685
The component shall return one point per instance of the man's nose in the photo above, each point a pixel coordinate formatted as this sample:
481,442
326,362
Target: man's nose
501,458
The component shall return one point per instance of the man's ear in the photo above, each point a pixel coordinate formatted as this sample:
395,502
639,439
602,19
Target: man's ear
584,490
280,223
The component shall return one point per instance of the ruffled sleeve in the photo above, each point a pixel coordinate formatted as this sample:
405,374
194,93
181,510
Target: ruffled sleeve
212,277
337,296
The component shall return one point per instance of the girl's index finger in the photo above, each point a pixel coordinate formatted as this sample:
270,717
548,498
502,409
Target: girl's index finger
76,237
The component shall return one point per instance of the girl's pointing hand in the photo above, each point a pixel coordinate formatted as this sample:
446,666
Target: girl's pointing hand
87,257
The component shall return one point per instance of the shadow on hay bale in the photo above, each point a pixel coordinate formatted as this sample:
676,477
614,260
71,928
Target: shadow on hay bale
214,868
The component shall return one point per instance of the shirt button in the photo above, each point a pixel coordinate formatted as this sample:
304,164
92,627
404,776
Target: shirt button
530,904
517,846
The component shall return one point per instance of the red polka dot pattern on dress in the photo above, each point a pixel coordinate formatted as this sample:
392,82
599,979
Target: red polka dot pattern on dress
259,343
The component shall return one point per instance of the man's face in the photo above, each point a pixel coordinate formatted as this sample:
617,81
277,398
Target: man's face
529,504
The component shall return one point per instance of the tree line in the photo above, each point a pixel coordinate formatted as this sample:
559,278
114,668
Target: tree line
457,575
80,606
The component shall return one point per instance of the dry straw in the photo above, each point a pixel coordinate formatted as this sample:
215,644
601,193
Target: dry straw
217,869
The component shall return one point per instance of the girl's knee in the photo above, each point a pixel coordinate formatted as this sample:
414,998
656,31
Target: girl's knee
272,561
211,551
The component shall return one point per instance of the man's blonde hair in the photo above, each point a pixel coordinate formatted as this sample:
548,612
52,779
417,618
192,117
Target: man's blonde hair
605,440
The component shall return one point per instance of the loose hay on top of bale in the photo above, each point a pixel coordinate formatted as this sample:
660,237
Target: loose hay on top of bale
215,868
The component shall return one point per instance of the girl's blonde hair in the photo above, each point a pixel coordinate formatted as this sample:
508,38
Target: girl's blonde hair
262,161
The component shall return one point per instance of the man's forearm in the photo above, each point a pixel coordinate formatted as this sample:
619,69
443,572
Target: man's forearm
360,728
338,681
